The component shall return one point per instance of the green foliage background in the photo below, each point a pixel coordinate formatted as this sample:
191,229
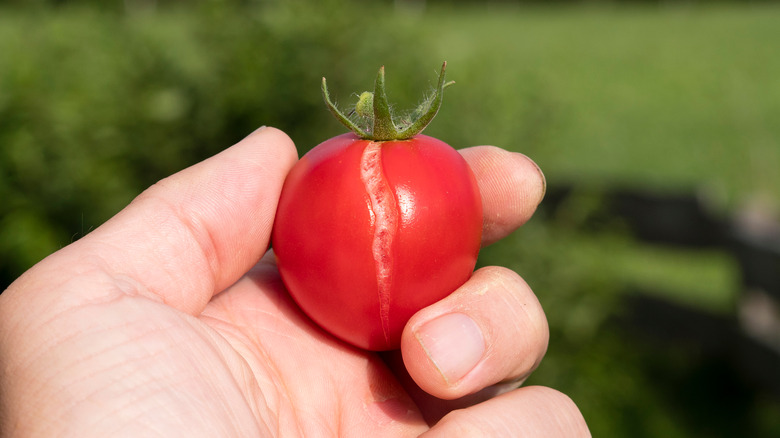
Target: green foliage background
96,104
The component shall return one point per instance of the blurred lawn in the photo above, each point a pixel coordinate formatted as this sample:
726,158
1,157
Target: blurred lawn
95,106
658,96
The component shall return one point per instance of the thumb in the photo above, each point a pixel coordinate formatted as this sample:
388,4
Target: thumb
192,234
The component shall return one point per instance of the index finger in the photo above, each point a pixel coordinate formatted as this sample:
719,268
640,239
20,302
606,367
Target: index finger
511,185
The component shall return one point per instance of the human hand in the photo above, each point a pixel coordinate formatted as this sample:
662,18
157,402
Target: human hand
168,320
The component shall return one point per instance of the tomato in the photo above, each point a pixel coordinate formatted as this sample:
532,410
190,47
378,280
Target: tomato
370,231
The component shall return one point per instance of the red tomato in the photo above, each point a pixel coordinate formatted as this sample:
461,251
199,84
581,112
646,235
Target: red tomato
369,232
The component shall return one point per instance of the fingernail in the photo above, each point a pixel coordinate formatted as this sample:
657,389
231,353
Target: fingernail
544,181
541,175
256,131
454,344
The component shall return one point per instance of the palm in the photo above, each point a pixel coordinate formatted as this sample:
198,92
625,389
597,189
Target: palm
292,376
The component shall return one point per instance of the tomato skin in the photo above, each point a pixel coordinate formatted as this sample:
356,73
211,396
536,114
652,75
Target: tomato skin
359,282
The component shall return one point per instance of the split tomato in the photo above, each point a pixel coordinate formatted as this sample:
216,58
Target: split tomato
373,226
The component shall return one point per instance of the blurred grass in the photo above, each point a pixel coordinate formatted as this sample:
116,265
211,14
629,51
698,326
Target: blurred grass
96,105
660,96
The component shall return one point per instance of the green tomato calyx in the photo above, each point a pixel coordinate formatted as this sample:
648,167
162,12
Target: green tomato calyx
372,120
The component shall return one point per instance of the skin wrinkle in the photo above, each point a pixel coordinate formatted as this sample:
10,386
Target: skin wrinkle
202,237
172,226
253,395
308,413
249,191
214,205
241,342
251,380
122,360
56,280
122,410
67,309
111,299
238,342
216,344
286,394
75,364
130,286
339,428
152,394
235,337
213,320
127,282
137,337
227,318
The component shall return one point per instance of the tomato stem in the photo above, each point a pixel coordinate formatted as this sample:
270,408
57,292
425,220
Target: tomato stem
379,123
383,128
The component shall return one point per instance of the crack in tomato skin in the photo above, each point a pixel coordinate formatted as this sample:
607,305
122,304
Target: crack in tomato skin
361,282
383,210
